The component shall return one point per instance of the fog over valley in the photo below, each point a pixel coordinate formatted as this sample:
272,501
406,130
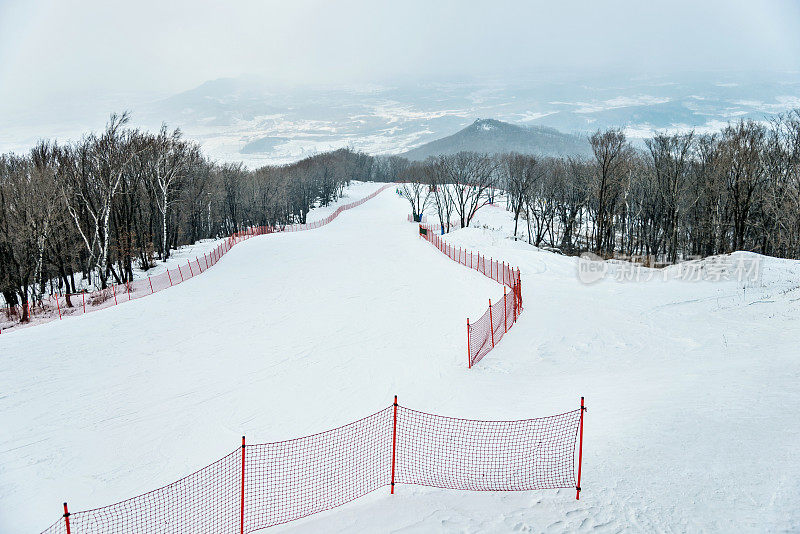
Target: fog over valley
248,119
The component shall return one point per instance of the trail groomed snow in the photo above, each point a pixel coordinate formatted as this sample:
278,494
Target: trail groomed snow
690,386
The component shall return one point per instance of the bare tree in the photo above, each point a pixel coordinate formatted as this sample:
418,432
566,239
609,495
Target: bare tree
471,177
521,174
93,172
42,184
570,201
611,151
436,179
168,158
23,224
741,148
414,189
672,164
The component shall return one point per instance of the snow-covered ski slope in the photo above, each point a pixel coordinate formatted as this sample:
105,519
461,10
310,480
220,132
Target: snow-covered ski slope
690,386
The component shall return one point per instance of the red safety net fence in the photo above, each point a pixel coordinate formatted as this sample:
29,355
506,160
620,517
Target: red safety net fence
489,329
59,306
258,486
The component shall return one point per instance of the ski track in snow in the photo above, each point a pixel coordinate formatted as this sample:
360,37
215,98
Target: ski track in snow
689,386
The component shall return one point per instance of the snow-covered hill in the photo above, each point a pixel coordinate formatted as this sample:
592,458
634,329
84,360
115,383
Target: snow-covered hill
489,136
690,385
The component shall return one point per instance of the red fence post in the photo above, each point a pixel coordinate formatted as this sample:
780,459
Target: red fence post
84,301
241,499
59,308
180,272
66,517
469,351
191,272
170,278
580,454
394,440
151,285
491,322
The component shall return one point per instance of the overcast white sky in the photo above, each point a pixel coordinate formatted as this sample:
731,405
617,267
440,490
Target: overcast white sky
56,50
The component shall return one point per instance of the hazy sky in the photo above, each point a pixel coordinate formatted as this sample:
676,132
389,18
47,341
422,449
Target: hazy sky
56,51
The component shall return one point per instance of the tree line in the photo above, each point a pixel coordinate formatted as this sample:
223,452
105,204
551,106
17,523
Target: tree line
79,216
681,196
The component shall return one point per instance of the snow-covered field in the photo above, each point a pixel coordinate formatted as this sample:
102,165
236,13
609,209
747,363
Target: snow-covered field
690,386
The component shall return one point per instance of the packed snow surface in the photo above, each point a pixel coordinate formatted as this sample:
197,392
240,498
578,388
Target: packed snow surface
691,387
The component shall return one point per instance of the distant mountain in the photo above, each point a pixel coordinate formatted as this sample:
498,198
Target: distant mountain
494,137
263,145
256,121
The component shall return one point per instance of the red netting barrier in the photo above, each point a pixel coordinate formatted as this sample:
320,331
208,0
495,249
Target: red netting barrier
291,479
435,228
206,501
263,485
60,306
463,454
486,332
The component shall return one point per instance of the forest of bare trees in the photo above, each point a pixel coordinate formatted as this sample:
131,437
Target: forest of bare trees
77,216
680,196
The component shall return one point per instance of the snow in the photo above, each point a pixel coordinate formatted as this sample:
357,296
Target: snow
689,385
